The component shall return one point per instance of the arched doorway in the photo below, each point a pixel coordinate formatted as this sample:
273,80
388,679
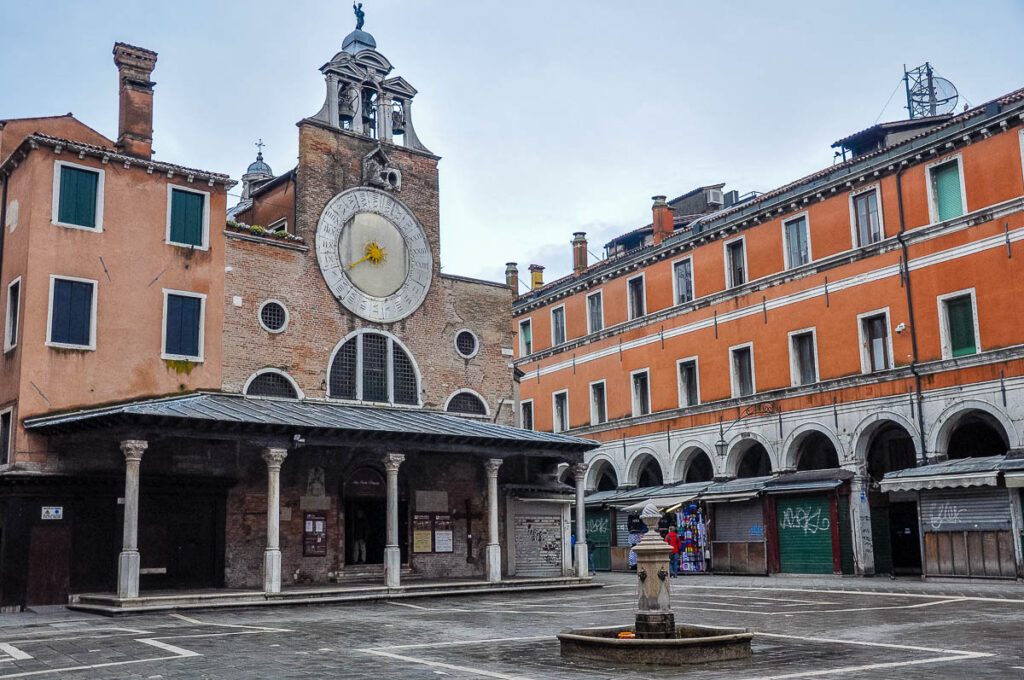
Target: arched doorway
816,451
895,532
700,469
649,473
754,461
606,477
977,434
365,499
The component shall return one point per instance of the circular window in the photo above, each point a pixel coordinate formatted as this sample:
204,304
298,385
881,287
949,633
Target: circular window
465,344
273,316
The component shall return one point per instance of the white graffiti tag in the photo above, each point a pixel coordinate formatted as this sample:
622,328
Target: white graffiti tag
946,514
597,525
803,518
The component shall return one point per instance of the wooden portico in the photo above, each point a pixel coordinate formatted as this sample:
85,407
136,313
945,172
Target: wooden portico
224,441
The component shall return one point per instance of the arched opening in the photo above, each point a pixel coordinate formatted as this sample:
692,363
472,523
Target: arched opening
649,473
754,461
895,537
816,452
466,402
977,434
373,367
271,383
700,469
606,478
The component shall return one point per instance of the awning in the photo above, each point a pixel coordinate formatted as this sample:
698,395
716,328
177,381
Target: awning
950,474
665,503
939,481
799,487
729,497
1014,479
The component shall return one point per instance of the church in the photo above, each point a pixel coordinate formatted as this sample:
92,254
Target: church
284,398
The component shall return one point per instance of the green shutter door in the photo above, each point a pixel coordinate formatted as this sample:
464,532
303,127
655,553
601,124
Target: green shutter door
77,202
186,218
947,191
961,326
881,540
599,532
805,535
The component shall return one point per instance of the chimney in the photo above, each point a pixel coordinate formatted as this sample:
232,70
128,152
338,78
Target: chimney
536,276
512,277
135,112
662,219
579,252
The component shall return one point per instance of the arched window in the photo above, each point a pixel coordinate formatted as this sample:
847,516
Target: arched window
466,402
271,383
373,367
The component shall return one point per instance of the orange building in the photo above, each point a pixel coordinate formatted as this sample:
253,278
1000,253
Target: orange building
862,320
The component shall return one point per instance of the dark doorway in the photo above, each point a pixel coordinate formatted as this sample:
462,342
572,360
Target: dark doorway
650,474
754,462
977,435
365,497
905,538
181,539
816,452
700,469
49,564
891,449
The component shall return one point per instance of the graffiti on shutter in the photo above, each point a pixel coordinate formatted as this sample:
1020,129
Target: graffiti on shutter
738,521
538,541
965,510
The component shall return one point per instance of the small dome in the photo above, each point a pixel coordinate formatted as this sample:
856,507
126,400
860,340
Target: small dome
357,41
259,167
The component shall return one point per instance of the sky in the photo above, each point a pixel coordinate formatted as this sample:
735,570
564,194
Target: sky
549,117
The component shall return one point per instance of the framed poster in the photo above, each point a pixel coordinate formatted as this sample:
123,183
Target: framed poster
422,533
443,534
314,534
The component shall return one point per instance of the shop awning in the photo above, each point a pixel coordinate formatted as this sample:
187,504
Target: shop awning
1014,479
951,474
665,504
799,487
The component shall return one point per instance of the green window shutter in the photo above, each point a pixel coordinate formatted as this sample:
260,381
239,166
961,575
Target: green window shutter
187,218
77,202
947,191
961,326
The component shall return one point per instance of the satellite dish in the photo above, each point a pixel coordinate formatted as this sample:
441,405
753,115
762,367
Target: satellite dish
929,94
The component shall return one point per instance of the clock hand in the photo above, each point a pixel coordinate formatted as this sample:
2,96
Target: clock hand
364,259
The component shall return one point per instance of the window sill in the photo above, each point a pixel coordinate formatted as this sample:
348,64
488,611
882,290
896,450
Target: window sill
181,357
69,346
79,227
187,245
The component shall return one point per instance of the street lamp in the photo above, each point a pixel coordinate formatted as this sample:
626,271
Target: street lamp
764,409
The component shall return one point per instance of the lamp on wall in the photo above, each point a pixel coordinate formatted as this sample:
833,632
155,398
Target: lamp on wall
767,408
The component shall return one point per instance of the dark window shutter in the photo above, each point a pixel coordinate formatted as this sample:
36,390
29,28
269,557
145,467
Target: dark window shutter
182,331
71,318
77,197
187,217
961,326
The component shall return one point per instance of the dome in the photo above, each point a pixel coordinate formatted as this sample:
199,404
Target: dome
357,41
259,167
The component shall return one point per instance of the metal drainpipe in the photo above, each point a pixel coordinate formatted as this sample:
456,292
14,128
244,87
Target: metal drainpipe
901,237
3,221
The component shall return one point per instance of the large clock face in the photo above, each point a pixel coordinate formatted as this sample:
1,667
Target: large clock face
373,254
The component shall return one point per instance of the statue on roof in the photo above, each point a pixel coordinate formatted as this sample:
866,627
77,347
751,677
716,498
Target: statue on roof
357,7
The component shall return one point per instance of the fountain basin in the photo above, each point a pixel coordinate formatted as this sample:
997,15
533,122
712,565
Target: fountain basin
692,644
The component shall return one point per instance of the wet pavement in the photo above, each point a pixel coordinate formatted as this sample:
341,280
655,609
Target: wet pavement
806,627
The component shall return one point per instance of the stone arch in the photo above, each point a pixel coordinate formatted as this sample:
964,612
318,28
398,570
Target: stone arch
690,462
870,425
954,415
639,463
741,444
681,458
799,436
599,466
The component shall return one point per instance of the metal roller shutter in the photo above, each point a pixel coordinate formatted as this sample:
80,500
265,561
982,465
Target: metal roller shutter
738,521
965,510
538,532
805,535
621,529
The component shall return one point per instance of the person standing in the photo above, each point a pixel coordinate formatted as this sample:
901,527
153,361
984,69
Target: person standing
677,545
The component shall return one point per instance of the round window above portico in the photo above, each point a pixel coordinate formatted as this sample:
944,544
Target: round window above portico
273,316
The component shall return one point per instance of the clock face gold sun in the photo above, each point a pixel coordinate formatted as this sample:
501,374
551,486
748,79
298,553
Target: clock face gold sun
373,254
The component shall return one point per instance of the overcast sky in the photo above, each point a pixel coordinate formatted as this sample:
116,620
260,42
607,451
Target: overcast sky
550,117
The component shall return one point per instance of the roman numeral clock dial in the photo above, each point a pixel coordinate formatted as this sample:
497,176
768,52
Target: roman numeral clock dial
373,254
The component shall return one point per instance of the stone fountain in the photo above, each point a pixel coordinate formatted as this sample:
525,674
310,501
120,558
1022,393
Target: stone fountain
655,638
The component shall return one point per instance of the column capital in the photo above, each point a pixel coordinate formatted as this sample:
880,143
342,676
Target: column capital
579,471
392,461
492,465
274,456
134,448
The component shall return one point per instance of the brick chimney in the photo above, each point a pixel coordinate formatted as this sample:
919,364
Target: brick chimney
579,252
536,276
512,277
135,112
662,219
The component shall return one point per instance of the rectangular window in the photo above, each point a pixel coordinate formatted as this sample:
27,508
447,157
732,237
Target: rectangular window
960,338
803,363
526,415
598,403
742,371
187,217
683,280
689,393
637,303
525,338
798,242
875,331
560,412
72,313
183,325
12,315
735,265
641,393
77,201
558,325
866,218
595,312
5,437
947,200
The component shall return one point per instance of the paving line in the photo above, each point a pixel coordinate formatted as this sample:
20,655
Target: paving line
186,618
972,598
13,652
456,643
448,666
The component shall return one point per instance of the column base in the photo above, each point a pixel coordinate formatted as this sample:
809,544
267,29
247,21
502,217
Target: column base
272,571
582,560
128,574
493,562
392,566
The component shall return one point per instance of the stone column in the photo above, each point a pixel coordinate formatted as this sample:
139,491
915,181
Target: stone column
332,100
384,117
392,553
493,546
860,521
272,556
128,561
582,553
